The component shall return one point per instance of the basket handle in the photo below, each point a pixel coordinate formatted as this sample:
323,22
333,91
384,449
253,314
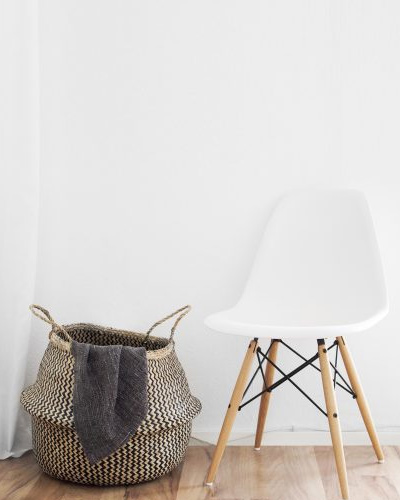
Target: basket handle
46,316
182,310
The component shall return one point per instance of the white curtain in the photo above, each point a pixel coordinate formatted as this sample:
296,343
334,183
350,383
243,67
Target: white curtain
19,199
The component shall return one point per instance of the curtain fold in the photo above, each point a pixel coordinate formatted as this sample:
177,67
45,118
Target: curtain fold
19,204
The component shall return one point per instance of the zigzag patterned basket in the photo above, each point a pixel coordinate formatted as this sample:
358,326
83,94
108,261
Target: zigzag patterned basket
159,444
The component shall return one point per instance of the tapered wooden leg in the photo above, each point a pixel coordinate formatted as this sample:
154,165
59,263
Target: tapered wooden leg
264,402
361,401
333,418
230,416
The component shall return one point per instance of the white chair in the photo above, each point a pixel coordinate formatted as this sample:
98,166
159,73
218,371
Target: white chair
317,274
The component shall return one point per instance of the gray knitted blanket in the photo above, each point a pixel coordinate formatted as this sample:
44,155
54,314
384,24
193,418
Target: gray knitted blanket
110,396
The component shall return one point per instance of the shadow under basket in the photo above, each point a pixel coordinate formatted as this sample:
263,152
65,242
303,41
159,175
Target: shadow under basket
160,442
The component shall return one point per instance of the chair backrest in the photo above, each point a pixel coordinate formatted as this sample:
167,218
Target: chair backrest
318,262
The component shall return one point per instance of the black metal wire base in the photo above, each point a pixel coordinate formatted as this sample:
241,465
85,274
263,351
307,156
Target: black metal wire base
261,357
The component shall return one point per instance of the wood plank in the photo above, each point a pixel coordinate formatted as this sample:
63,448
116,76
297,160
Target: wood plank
191,484
367,478
391,467
86,492
273,473
327,469
22,479
163,488
279,473
302,473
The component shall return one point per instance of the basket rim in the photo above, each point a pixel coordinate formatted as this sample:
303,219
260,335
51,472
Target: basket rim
60,343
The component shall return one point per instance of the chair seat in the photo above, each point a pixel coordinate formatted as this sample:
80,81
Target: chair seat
317,272
238,322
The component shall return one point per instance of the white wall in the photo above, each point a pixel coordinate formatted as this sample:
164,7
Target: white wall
169,130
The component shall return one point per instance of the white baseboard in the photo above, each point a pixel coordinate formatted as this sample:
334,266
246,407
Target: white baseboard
295,438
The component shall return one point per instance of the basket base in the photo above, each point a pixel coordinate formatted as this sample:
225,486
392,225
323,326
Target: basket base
143,458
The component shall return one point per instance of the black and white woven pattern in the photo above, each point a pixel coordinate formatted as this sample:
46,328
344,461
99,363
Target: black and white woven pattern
145,457
158,445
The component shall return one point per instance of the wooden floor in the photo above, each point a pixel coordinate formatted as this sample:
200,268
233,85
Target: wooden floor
274,473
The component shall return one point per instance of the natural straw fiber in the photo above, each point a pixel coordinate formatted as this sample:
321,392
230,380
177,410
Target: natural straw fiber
161,440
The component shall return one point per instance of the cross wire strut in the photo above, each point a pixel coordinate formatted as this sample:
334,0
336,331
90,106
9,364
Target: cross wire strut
261,358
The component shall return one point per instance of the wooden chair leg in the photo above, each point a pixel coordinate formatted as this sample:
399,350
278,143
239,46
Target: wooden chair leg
361,401
265,398
333,417
230,416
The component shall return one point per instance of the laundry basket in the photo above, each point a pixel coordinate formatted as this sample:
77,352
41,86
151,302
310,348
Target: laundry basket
160,442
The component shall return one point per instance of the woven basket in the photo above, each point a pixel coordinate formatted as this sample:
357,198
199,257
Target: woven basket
160,442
